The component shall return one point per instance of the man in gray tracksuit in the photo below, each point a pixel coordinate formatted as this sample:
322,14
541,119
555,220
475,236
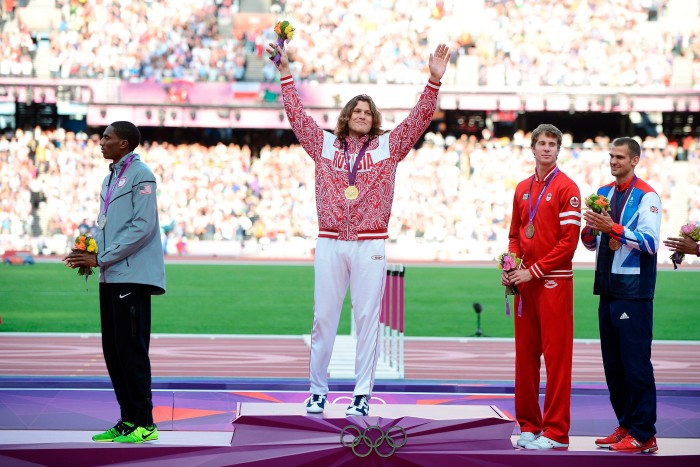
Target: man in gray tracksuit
130,258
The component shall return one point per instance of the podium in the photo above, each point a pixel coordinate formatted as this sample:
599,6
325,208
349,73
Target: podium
396,433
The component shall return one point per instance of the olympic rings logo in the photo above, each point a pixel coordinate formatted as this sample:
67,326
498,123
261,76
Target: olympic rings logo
373,438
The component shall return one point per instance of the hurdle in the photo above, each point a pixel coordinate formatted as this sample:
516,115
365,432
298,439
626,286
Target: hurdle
391,333
391,319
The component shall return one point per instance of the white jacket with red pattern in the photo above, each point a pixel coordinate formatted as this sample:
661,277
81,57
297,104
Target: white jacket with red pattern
367,216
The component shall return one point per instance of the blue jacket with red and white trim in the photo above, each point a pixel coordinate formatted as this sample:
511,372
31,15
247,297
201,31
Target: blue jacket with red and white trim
630,272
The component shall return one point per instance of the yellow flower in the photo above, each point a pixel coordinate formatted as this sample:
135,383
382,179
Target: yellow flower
289,31
92,246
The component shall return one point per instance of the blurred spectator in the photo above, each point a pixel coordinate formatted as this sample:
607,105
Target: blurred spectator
16,53
458,196
7,9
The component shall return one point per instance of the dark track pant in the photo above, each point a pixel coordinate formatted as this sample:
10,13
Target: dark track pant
625,341
125,315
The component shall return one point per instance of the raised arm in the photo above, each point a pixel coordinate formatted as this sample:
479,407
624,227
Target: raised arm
406,134
283,65
438,62
305,128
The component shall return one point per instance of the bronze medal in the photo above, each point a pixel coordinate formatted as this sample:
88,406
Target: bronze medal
614,244
530,231
351,192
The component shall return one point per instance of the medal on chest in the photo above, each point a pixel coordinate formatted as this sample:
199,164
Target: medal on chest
351,192
532,211
530,231
102,221
614,244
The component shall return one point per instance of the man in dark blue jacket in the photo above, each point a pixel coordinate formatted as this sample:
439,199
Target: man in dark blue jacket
625,279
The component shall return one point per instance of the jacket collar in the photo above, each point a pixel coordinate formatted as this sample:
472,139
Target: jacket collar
122,161
547,175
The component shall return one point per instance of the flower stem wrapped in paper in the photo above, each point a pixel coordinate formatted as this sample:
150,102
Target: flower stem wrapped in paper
285,33
508,262
691,231
85,243
597,204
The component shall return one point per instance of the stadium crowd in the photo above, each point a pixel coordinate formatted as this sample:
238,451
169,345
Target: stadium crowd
135,40
456,191
496,42
16,52
515,43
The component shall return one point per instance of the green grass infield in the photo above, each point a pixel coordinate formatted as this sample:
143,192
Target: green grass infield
267,299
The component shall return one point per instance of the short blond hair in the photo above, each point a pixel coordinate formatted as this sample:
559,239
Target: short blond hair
549,130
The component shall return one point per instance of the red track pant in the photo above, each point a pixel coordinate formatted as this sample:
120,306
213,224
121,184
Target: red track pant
546,327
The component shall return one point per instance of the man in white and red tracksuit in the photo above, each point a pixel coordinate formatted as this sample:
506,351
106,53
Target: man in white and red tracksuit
355,174
544,233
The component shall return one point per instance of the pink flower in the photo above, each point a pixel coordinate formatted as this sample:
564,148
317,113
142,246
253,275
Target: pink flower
508,263
687,229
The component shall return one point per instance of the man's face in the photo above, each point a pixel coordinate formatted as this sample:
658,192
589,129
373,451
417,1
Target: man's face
545,150
621,162
113,147
360,119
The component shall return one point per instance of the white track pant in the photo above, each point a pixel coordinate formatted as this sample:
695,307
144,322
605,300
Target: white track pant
337,264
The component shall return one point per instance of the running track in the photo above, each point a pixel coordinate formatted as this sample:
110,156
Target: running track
468,360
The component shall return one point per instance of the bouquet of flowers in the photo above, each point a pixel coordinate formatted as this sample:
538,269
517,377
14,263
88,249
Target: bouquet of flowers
508,262
85,243
285,33
688,230
598,204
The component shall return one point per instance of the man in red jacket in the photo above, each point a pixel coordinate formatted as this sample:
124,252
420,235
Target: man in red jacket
355,175
544,233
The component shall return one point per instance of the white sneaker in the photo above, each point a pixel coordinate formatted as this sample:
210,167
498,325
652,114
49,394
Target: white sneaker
544,443
316,403
359,406
525,438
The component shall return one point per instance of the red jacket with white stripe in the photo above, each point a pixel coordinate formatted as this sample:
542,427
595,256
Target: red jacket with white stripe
557,225
367,216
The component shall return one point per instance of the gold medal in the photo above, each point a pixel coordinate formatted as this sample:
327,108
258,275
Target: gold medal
351,192
614,244
530,231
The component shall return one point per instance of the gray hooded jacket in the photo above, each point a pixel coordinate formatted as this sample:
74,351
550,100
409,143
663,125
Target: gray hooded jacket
129,247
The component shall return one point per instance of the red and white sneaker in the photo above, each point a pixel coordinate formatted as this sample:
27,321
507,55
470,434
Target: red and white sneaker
629,444
616,436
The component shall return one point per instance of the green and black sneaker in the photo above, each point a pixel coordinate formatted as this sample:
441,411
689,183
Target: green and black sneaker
120,429
139,434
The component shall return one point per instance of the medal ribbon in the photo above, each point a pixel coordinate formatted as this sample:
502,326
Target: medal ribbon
352,173
530,211
111,188
616,206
